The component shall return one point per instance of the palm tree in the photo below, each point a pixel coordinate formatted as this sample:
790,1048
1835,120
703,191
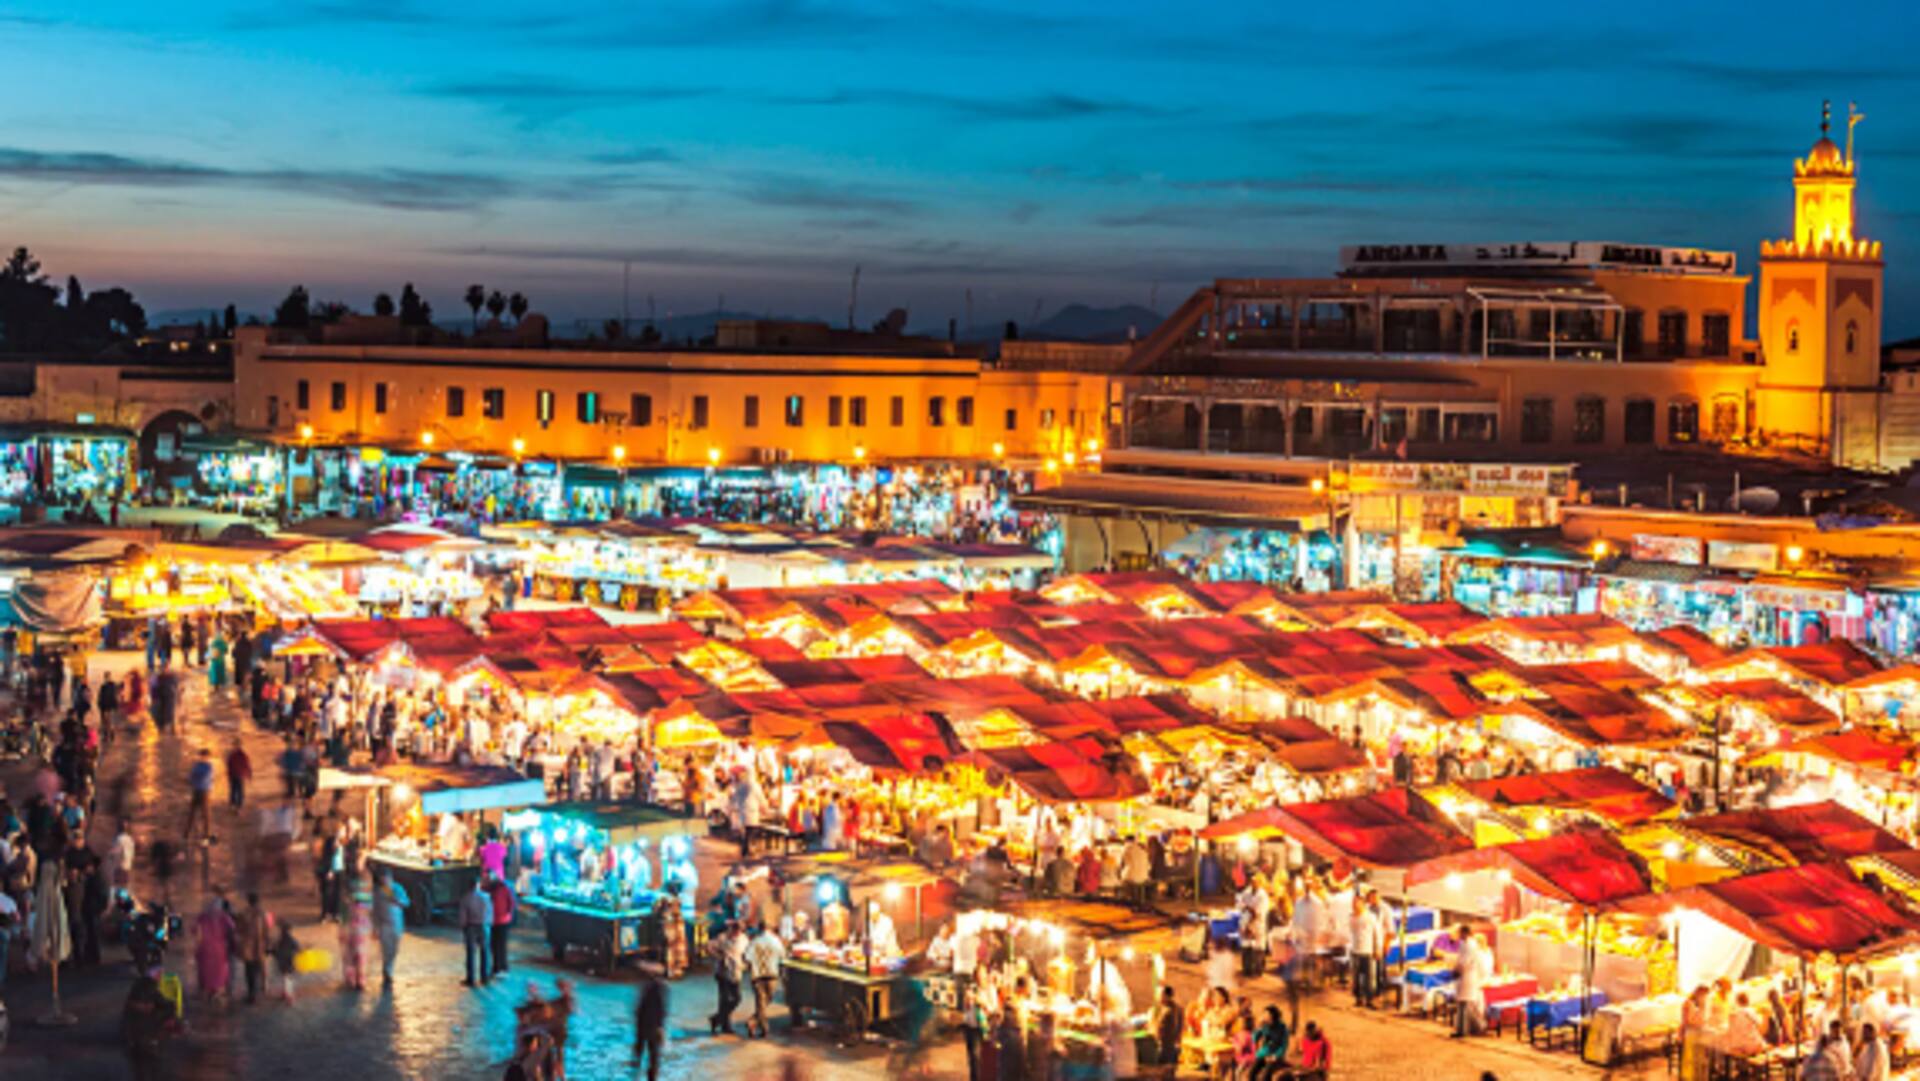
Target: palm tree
517,304
496,303
476,299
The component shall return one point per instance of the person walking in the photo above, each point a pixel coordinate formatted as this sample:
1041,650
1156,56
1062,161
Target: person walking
728,951
650,1020
763,957
505,906
200,789
1364,948
356,923
213,953
389,922
476,927
217,662
239,772
252,935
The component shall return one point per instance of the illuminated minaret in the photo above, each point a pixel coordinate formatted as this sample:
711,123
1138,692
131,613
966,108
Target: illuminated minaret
1820,295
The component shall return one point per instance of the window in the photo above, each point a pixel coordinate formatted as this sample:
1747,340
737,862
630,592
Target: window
1633,333
750,411
1472,427
456,401
586,407
1589,420
640,410
1683,421
379,397
936,411
1853,337
339,397
1046,418
1726,418
302,395
1013,419
1426,424
898,409
963,412
857,410
1536,420
543,406
699,420
493,403
836,408
1638,423
1716,339
273,411
1793,346
1673,334
796,410
1393,425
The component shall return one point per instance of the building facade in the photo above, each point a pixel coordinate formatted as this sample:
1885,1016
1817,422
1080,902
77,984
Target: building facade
739,405
1569,349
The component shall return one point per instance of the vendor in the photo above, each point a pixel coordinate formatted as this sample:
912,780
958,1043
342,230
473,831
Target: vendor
455,839
881,937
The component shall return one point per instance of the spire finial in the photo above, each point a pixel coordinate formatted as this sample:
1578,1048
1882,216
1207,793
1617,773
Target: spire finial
1854,116
1826,117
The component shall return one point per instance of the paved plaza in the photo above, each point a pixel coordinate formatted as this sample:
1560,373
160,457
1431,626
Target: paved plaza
430,1026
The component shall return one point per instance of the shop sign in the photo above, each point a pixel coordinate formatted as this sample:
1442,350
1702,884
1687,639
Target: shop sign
1743,556
1476,258
1661,548
1490,479
1800,600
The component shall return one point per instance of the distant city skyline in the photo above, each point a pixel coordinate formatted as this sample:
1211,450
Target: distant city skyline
753,152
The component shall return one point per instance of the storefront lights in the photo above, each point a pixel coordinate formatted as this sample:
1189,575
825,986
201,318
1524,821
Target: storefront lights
1600,549
1795,553
519,447
713,455
426,439
619,454
1093,446
306,431
859,453
999,450
1317,485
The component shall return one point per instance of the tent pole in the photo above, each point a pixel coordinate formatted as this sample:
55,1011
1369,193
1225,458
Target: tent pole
1800,1033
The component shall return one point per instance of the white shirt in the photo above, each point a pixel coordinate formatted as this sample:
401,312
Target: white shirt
1366,931
1872,1063
1476,967
123,853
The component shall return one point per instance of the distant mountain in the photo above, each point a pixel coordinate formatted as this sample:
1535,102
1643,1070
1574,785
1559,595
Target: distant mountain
1075,322
186,317
1082,323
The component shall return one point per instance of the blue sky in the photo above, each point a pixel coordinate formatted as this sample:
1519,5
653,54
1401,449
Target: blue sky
1037,153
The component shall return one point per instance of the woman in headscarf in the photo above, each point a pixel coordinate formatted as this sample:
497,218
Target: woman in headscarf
213,953
217,661
356,923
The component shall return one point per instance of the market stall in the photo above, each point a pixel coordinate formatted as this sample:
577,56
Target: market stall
608,875
430,820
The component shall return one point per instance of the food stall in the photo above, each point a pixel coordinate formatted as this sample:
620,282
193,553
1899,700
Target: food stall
429,818
603,871
852,968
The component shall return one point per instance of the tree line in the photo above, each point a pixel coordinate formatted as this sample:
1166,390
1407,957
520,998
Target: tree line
299,310
38,315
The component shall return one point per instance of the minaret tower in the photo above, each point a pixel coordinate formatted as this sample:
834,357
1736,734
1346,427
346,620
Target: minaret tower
1820,310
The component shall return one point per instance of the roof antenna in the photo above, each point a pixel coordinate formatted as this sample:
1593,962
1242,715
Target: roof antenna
1854,116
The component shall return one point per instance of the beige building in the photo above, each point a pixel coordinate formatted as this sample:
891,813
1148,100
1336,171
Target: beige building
760,404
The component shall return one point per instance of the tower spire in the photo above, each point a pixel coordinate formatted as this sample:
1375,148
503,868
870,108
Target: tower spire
1854,116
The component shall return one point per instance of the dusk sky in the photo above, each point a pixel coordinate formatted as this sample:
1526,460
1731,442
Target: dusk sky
1041,152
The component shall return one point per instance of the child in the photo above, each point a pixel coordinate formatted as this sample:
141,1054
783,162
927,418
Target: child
285,948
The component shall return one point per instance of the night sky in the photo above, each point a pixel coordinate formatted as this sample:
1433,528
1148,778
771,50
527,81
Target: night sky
1035,153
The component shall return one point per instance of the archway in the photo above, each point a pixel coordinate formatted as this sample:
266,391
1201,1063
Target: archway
160,445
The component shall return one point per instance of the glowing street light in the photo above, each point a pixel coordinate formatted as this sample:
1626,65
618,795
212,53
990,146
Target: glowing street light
1318,485
306,432
620,453
713,455
426,439
999,450
1795,553
859,453
1093,446
1600,549
519,447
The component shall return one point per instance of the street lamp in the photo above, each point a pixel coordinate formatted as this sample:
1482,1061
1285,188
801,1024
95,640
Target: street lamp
620,454
713,455
999,450
426,440
859,452
1600,549
519,447
1795,554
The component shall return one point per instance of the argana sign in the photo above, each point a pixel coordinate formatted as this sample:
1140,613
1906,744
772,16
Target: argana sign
1539,255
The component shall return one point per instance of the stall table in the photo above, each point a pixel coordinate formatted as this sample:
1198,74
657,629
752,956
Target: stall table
610,934
434,887
859,1000
1547,1014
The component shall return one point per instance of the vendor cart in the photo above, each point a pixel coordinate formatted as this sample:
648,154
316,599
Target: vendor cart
612,915
847,996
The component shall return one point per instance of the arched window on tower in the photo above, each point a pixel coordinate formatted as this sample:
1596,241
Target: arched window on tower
1793,337
1853,337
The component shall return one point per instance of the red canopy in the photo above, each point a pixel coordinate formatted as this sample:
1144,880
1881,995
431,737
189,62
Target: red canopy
1811,833
1392,828
1855,747
908,743
1602,791
1583,867
542,620
1807,910
1064,771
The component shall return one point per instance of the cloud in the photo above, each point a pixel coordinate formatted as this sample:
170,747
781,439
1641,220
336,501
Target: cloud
1764,78
1055,105
395,189
536,97
1308,183
636,155
1203,215
793,192
321,14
